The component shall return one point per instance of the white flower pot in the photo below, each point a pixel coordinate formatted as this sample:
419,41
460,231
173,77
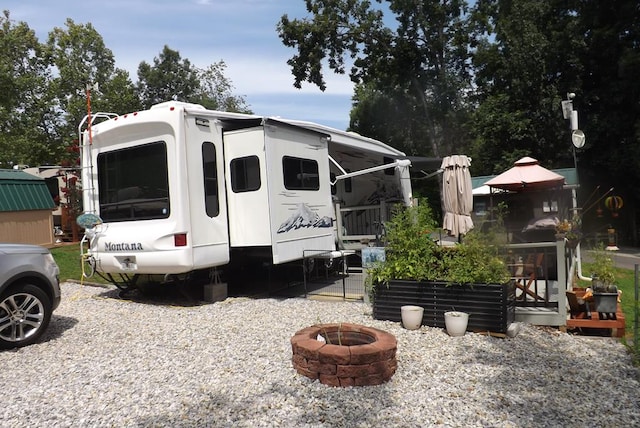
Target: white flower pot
411,316
456,322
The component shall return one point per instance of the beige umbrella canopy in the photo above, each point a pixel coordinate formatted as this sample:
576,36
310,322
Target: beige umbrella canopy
457,195
526,174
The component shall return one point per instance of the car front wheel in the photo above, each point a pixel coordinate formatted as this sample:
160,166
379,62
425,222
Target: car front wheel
25,312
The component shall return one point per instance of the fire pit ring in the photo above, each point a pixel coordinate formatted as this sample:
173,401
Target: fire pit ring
349,355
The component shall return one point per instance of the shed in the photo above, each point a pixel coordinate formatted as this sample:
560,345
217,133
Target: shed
25,209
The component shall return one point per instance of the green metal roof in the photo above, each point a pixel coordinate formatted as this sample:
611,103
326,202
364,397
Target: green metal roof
20,191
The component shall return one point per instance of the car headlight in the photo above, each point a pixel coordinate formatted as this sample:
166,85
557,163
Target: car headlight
51,264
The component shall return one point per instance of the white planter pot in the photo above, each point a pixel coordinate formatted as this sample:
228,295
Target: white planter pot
411,316
456,322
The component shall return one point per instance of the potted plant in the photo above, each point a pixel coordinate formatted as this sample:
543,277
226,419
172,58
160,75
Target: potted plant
571,230
603,278
470,276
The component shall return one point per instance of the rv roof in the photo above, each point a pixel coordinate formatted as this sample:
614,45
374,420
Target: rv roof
348,138
337,136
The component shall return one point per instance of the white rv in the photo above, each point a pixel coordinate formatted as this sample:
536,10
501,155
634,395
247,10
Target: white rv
179,188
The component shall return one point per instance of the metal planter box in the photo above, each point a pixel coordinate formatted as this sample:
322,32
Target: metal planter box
606,302
491,307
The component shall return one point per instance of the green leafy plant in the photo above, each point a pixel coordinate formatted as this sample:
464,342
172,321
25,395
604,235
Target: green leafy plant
602,268
412,253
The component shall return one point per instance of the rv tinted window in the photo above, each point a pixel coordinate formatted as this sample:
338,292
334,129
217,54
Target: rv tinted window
133,183
245,174
300,174
212,205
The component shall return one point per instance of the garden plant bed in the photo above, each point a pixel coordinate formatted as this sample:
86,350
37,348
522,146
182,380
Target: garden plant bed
491,307
349,355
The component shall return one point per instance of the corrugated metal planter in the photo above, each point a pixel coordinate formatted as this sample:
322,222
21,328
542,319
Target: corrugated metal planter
491,307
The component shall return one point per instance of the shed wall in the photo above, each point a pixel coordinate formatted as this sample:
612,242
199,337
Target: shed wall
27,227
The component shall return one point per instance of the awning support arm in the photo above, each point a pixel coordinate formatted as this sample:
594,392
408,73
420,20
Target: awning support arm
400,163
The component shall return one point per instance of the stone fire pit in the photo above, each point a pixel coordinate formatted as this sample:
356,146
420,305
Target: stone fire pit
350,355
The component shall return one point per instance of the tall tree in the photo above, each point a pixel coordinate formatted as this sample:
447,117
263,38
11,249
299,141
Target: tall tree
82,60
169,78
27,121
118,94
422,58
216,90
522,73
609,105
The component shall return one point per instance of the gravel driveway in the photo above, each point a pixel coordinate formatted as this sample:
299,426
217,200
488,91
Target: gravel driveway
124,363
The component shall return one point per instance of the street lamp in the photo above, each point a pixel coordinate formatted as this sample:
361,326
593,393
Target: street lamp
577,136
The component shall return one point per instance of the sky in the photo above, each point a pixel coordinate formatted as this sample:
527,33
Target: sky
242,33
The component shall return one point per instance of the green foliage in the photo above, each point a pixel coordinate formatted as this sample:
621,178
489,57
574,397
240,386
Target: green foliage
43,88
477,260
412,253
169,78
522,75
173,78
216,90
27,124
420,64
602,267
81,59
69,261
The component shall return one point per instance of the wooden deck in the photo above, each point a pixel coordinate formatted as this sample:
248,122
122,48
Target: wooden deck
580,320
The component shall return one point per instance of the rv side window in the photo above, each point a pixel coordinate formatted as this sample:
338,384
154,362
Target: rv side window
300,174
133,183
211,202
245,174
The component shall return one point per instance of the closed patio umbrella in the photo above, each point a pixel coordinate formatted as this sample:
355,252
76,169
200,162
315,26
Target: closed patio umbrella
457,195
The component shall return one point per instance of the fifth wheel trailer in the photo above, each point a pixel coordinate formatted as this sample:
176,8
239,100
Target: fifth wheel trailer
178,189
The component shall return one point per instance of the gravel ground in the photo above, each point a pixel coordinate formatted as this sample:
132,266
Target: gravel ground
137,363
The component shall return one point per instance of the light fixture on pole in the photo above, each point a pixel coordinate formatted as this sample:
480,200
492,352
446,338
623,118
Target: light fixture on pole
577,136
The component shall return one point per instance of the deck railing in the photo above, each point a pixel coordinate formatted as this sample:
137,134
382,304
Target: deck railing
359,226
539,270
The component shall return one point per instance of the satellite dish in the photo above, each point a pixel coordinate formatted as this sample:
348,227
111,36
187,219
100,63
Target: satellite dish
577,138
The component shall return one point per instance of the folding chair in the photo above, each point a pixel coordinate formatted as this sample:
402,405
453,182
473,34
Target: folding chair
533,269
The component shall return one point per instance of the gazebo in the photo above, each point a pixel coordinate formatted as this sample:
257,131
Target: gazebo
537,199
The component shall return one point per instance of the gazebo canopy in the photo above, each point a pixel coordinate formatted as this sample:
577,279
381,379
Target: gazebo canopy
525,175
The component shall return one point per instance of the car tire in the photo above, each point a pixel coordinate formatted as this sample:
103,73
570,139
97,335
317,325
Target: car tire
25,312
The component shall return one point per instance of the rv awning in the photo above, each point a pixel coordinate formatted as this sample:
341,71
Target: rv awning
422,163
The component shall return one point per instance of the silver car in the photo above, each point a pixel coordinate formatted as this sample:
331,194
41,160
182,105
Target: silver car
29,293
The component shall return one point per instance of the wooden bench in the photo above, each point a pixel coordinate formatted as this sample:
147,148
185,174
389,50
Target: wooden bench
586,317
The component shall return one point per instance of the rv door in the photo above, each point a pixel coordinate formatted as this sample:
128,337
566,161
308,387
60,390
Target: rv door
205,173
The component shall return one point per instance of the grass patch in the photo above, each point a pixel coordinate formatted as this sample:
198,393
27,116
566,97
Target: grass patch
69,261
